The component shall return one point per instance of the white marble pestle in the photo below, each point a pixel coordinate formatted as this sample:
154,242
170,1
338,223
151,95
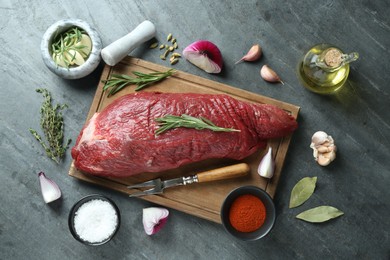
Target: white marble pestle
119,49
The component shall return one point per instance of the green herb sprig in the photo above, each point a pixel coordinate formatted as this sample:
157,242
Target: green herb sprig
52,124
64,47
118,81
169,122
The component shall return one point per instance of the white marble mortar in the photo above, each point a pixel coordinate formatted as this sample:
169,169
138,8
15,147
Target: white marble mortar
74,72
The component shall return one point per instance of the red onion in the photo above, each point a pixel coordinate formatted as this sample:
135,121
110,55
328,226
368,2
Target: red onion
50,190
154,219
205,55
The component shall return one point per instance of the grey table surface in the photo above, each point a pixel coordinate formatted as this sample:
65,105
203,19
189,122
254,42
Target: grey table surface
357,182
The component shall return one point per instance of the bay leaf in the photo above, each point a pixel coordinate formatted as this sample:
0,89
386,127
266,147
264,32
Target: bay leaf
302,191
320,214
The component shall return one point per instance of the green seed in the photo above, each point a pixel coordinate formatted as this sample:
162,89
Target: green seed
169,37
173,40
162,46
174,61
175,45
164,56
153,45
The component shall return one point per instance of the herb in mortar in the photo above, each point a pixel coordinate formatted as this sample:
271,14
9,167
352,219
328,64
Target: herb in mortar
71,48
52,124
169,122
118,82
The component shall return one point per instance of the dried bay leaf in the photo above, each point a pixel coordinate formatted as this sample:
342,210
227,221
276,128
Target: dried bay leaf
320,214
302,191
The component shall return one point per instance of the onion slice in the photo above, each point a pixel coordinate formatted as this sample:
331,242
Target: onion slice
154,219
50,190
205,55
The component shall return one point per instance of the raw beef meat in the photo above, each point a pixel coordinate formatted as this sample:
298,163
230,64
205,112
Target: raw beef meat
120,141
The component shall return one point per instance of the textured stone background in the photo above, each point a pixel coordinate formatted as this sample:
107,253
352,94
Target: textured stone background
358,119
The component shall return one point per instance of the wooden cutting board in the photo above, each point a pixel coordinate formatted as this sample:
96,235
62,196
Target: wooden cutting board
201,199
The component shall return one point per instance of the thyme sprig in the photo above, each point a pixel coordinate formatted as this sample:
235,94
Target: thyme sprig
52,124
118,81
169,122
65,48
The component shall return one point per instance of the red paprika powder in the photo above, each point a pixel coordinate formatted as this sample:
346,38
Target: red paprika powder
247,213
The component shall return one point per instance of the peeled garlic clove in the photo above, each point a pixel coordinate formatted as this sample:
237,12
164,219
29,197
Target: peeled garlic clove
154,219
267,165
205,55
85,45
253,54
74,57
50,190
269,75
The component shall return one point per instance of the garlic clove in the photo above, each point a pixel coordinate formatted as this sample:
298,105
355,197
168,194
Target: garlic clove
74,57
85,45
253,54
323,160
267,165
154,219
269,74
319,137
324,149
205,55
50,190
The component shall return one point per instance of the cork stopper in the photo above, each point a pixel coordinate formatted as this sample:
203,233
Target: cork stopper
333,57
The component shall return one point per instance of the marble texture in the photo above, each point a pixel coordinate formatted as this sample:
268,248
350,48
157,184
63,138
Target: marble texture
77,72
357,182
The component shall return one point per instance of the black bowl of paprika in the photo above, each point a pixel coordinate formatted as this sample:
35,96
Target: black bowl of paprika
248,213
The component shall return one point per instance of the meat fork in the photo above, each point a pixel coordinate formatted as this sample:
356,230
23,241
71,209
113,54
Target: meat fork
158,186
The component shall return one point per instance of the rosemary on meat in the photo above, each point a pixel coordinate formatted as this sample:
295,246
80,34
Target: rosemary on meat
52,124
118,81
170,122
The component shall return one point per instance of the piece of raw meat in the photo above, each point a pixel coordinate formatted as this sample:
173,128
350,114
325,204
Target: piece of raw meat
120,141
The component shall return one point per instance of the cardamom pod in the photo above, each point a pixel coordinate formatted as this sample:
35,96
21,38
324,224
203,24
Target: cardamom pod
153,45
174,61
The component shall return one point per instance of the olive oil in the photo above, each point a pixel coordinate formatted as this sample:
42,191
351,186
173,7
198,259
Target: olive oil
324,69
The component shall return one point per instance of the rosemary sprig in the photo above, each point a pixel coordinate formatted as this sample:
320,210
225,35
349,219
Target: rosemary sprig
52,124
169,122
64,48
142,80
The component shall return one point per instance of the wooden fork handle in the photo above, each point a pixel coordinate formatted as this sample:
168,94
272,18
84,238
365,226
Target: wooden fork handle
228,172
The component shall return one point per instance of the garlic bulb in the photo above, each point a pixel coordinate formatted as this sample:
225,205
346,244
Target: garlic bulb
324,149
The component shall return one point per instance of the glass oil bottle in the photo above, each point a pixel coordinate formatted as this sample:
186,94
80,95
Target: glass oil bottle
325,68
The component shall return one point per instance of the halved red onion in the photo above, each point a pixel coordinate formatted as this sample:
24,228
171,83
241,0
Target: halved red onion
205,55
50,190
154,219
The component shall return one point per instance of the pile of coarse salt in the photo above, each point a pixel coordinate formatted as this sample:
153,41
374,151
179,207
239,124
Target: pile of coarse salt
95,221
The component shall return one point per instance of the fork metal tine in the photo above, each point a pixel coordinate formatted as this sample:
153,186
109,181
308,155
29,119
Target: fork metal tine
145,192
145,184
